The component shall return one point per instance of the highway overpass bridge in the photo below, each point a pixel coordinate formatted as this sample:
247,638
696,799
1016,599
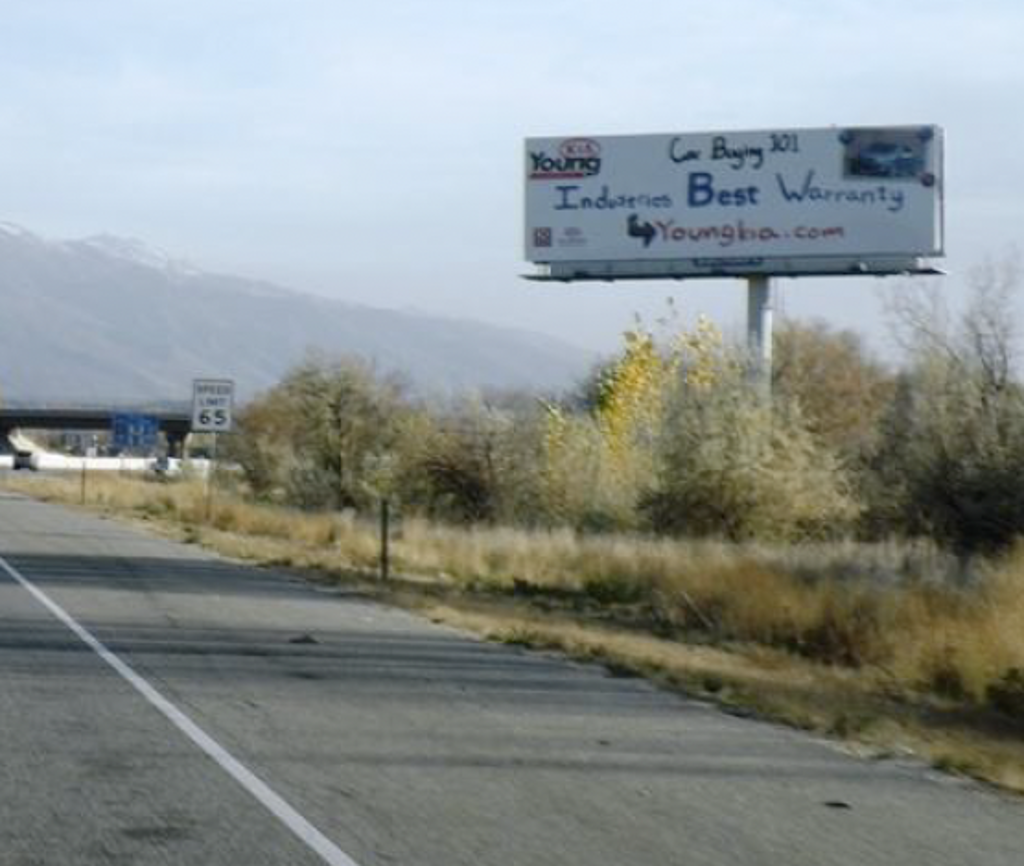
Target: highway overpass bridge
174,422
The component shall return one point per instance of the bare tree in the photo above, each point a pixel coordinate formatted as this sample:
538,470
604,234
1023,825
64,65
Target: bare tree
952,456
983,342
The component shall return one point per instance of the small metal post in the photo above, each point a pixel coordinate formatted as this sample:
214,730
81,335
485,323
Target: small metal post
210,468
84,459
385,537
759,331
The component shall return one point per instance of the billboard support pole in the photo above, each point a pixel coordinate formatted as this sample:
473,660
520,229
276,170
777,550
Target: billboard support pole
760,315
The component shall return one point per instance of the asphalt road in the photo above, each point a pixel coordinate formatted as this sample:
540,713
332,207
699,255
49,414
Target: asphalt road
242,717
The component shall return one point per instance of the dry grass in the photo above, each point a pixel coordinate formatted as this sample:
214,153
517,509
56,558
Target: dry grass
889,644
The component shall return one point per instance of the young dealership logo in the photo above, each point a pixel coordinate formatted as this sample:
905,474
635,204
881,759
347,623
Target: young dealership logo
577,158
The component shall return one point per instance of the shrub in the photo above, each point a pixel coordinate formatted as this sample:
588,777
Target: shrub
1007,693
951,458
601,451
476,462
736,465
840,389
316,438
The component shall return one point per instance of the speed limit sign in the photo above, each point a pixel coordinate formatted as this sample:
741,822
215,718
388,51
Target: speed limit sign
212,404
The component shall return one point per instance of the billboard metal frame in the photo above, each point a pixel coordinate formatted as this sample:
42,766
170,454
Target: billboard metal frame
681,269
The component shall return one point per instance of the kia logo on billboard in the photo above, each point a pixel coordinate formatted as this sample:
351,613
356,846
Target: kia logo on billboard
580,148
576,158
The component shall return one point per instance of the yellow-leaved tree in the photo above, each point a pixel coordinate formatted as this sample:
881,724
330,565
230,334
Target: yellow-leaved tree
599,464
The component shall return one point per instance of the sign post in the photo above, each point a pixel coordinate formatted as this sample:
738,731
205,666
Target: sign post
213,402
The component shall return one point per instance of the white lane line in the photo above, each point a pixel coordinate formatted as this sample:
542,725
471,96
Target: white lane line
287,815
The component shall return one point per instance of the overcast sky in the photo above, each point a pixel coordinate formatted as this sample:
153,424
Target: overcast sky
372,151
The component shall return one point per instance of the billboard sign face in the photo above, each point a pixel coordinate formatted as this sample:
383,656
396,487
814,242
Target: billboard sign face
213,402
777,201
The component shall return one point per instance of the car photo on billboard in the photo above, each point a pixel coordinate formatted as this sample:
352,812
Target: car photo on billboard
890,154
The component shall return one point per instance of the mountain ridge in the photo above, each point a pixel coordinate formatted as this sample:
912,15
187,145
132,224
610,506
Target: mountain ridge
110,317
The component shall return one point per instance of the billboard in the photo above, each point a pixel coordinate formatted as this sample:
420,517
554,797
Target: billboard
788,201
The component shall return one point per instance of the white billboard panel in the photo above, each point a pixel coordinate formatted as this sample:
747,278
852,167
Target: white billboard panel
864,199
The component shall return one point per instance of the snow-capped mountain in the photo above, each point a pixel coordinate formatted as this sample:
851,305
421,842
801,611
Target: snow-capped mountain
110,318
134,251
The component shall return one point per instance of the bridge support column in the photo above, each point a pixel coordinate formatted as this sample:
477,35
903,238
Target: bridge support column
176,445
